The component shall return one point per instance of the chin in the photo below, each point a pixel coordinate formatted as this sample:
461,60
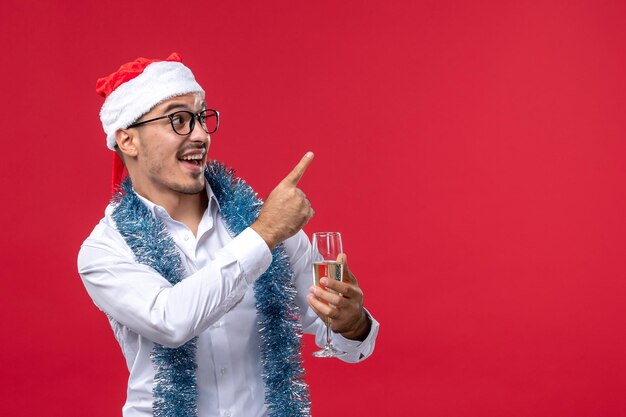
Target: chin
187,187
191,189
185,184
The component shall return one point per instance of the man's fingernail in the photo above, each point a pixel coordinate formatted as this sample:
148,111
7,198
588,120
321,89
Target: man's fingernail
324,281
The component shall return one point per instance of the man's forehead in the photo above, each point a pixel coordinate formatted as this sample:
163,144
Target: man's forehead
191,101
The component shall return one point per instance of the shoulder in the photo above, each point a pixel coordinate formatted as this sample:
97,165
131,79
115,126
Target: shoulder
106,228
104,238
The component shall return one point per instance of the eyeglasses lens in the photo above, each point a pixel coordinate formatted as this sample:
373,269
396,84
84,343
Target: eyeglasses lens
182,121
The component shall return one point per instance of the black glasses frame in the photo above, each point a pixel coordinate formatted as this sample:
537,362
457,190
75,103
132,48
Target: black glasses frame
192,121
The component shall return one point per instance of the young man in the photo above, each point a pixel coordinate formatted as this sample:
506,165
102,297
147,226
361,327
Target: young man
206,288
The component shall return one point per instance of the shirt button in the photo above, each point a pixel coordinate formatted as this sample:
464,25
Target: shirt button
227,413
186,237
222,371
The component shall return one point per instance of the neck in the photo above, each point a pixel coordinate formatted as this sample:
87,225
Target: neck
185,208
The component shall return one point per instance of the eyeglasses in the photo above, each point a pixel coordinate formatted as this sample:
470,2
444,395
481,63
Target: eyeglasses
183,121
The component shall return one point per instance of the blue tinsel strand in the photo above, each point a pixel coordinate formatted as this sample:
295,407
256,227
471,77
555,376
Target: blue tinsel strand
175,390
286,393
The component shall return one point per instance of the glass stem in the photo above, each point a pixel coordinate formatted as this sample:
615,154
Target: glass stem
327,333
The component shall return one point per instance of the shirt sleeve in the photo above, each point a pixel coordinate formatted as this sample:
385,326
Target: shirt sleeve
299,251
138,297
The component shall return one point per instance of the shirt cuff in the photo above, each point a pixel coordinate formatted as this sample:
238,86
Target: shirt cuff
356,350
252,253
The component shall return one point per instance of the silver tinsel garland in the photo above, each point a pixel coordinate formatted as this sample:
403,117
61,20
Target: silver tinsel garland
175,391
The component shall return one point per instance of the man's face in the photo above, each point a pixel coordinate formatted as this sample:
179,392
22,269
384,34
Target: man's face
167,162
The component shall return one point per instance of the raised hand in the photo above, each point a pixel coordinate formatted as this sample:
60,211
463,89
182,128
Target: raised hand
286,209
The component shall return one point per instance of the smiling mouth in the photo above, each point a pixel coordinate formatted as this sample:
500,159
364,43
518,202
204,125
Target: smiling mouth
196,160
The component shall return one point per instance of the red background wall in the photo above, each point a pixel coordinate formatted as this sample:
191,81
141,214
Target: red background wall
472,153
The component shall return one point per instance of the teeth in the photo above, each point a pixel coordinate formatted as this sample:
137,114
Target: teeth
192,157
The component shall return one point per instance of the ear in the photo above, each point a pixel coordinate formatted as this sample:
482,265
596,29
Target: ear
126,142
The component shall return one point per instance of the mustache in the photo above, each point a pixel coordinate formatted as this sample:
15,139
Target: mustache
191,147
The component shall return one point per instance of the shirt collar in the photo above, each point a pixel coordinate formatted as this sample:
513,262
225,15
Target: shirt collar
159,212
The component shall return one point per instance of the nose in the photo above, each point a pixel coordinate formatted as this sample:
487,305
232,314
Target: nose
198,134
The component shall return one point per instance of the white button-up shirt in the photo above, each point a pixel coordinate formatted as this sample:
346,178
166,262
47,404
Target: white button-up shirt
214,302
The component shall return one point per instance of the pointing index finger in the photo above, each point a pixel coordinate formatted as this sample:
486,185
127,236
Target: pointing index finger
297,173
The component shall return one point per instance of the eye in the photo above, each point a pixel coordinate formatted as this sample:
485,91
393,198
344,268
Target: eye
178,119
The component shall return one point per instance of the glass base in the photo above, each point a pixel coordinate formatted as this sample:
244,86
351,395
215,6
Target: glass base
329,351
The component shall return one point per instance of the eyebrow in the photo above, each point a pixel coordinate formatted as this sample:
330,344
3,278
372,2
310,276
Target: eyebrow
173,106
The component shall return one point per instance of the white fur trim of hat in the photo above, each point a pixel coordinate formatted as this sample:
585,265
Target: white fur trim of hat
158,82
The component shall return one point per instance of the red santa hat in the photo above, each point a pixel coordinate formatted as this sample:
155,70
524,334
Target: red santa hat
134,89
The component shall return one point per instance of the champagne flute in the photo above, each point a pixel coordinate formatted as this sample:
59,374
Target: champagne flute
326,248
